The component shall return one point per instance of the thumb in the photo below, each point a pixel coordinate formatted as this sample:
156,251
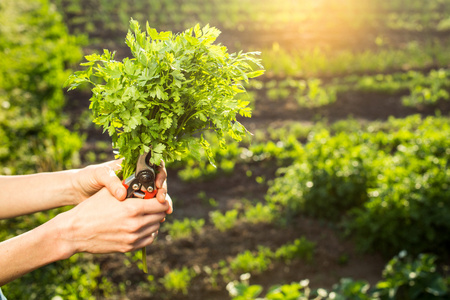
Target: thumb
112,182
116,188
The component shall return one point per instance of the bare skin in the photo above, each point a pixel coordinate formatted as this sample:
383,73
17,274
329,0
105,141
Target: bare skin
99,223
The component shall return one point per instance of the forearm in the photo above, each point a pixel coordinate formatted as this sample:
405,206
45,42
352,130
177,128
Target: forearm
33,249
31,193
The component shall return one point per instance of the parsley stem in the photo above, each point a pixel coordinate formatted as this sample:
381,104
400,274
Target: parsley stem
144,259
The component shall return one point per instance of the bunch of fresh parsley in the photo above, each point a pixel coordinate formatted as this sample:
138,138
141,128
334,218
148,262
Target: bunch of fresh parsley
175,87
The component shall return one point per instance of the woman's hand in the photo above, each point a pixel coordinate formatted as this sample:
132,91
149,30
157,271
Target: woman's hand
87,181
101,224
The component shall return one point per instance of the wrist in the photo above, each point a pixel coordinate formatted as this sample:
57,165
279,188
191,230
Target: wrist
75,187
61,233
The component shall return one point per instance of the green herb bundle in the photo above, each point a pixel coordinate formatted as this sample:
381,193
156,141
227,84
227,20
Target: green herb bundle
175,87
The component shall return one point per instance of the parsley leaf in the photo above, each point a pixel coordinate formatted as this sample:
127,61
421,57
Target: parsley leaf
173,88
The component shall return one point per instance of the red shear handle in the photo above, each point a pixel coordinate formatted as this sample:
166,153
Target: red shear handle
147,195
151,195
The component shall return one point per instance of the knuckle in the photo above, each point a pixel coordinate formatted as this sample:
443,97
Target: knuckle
99,171
133,226
105,172
126,248
132,238
132,210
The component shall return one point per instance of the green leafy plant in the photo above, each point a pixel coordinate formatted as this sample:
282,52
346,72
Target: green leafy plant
331,172
408,205
300,248
175,87
185,228
408,278
429,89
259,213
311,93
243,291
387,182
250,262
224,159
177,281
294,291
225,221
403,278
349,289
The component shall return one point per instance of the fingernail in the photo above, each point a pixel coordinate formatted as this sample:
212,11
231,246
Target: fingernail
160,184
162,198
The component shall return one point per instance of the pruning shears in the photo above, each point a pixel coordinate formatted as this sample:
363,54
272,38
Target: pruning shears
142,183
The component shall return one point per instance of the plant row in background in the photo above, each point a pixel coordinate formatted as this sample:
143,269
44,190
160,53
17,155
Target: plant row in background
253,214
178,281
418,89
386,182
282,144
109,17
327,61
389,185
403,278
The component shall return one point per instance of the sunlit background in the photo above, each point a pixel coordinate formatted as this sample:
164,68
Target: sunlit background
346,173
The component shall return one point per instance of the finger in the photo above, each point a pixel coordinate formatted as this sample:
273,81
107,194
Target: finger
152,219
139,207
145,234
148,230
161,195
146,241
161,176
138,242
169,201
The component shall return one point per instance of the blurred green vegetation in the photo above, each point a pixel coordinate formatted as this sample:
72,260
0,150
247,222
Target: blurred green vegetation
403,278
392,183
384,183
36,51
